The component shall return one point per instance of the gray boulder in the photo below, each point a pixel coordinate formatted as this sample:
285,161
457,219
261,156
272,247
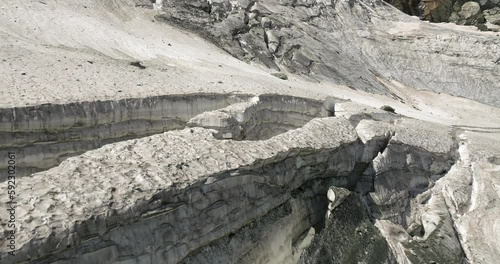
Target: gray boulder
487,4
470,14
492,15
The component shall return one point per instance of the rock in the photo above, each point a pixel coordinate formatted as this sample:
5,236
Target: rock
492,15
158,4
305,34
459,11
138,64
454,17
266,22
458,5
280,75
388,108
488,4
348,237
336,196
492,27
436,10
482,27
272,40
356,112
409,7
447,10
470,14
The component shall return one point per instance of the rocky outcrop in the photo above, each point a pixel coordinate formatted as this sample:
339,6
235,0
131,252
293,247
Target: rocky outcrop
470,14
456,11
410,7
348,236
489,4
493,15
342,42
436,10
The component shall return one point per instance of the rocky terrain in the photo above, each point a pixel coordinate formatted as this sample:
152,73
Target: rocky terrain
342,42
290,131
482,14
